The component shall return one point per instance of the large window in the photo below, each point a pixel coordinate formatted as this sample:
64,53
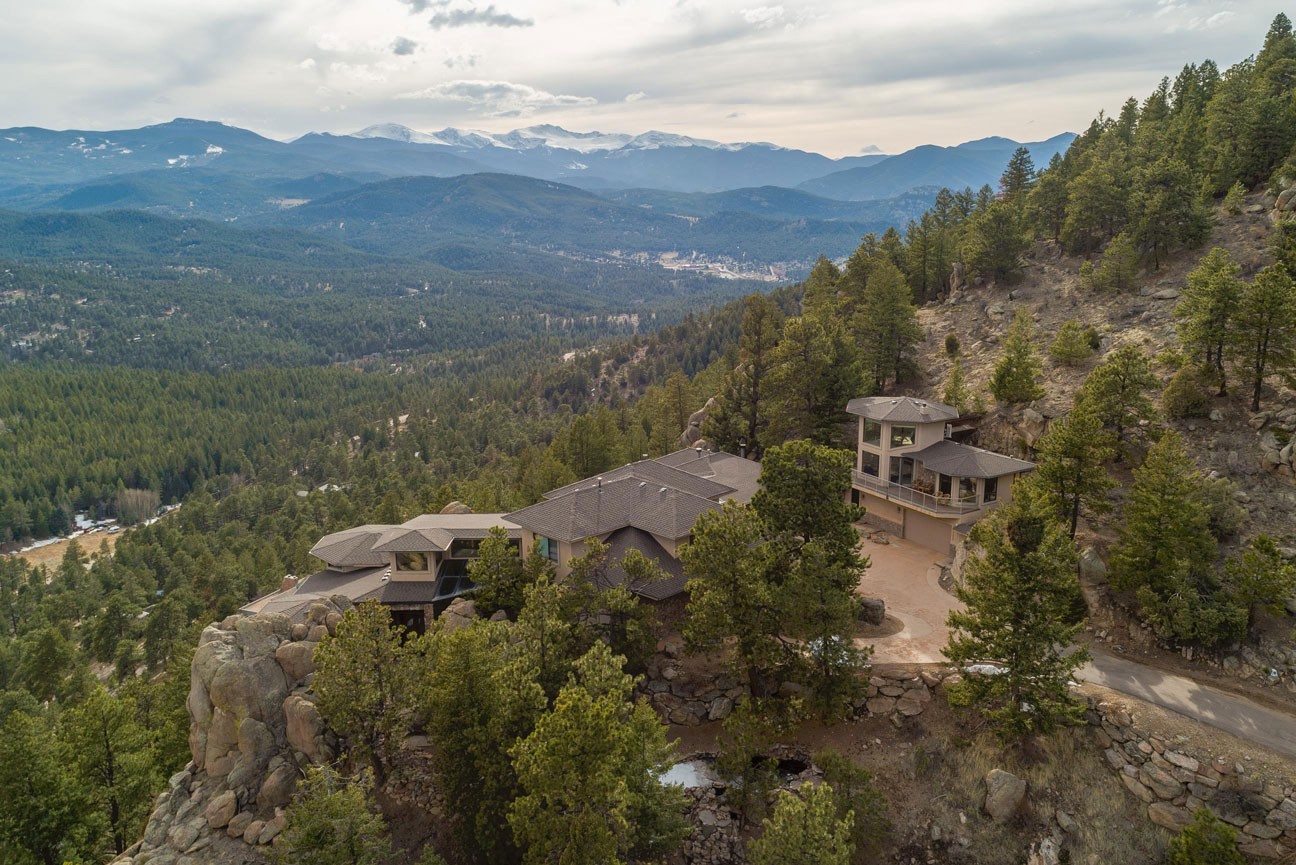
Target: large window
902,471
902,435
967,489
411,561
872,432
870,464
991,493
547,547
945,484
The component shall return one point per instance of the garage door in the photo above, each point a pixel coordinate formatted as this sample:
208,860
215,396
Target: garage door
928,531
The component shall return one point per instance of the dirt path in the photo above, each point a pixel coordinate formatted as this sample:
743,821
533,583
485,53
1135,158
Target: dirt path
1233,714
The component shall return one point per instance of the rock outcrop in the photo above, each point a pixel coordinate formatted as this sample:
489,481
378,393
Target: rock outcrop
253,729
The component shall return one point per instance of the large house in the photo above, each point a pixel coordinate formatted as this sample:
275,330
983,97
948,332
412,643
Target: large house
649,506
915,481
416,569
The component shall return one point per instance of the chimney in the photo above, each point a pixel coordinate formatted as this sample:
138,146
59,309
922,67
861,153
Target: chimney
288,583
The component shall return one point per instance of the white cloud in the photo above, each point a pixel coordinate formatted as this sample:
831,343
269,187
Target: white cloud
499,98
763,17
636,96
307,64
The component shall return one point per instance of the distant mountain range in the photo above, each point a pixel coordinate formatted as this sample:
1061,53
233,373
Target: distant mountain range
33,160
463,197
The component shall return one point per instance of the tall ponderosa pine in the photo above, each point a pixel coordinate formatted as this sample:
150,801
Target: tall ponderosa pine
1070,472
1016,375
1166,211
800,393
1018,178
1046,205
1263,338
886,327
956,392
1020,592
742,415
1207,309
364,684
994,242
1165,551
778,577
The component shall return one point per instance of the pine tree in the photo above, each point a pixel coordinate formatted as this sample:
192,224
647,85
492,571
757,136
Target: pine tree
1016,375
1263,338
994,243
1234,199
1020,590
956,391
1018,178
1117,392
805,830
1046,204
334,821
41,805
113,760
1207,309
796,391
589,774
886,328
1166,210
818,295
1260,578
364,684
1120,264
1165,550
1070,469
731,591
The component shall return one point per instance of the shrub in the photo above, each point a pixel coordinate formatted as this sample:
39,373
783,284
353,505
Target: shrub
1072,345
1234,199
334,822
1207,840
855,794
1186,395
1223,512
951,344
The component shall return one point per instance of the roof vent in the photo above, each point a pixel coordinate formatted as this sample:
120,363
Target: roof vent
662,490
643,484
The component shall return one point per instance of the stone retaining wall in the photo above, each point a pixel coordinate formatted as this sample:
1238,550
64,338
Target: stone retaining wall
685,698
1174,783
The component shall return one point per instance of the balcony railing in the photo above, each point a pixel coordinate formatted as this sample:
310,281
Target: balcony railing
916,498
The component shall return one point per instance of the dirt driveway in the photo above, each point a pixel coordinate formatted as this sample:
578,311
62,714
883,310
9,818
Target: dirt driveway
904,575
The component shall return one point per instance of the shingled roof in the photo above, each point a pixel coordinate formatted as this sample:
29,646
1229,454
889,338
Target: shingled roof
629,539
901,409
652,472
369,546
605,507
964,461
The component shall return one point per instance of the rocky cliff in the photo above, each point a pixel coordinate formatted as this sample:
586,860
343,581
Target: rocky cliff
253,729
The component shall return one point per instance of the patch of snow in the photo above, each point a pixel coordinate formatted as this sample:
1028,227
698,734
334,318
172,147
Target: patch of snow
215,150
396,132
578,166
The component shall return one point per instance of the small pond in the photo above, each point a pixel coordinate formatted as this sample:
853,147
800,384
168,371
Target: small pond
690,773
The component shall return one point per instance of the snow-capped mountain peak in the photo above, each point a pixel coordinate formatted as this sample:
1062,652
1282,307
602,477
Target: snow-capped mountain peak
396,132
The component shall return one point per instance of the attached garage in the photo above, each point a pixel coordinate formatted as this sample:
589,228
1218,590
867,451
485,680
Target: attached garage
929,531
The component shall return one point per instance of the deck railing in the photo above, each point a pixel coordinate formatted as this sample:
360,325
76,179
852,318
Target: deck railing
911,496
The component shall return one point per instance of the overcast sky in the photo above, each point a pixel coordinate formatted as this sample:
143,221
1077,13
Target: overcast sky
830,75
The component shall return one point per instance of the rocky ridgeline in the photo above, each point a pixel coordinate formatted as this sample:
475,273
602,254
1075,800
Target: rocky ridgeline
1174,784
253,729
